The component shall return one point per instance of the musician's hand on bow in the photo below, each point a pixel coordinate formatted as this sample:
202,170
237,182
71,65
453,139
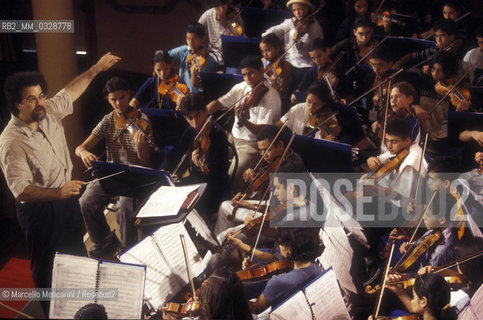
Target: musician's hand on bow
404,247
236,198
395,236
375,126
195,157
248,264
426,270
249,175
234,240
373,163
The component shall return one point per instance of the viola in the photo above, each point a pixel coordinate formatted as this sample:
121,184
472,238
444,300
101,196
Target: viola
131,121
456,95
253,99
203,144
173,88
197,58
266,271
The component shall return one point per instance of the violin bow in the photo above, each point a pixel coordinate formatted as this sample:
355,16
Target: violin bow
386,111
188,267
261,227
383,82
457,20
271,144
384,279
423,151
15,310
459,261
197,137
366,55
452,88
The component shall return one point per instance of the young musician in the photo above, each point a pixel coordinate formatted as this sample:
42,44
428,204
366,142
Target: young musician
445,32
341,124
158,90
302,246
297,34
207,160
193,57
475,57
397,139
359,45
35,160
278,71
291,163
430,298
223,19
122,146
263,104
358,8
340,87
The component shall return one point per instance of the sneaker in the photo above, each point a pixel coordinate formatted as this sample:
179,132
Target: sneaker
107,249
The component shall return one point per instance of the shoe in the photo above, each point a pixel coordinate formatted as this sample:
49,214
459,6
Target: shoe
107,249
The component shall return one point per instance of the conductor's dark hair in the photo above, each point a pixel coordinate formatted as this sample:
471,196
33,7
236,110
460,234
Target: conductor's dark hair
437,291
273,40
197,28
223,297
399,128
321,91
319,43
304,243
161,55
362,21
192,102
16,82
448,61
115,84
251,62
446,25
91,311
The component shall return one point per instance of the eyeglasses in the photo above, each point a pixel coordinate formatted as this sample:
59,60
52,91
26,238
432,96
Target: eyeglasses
35,100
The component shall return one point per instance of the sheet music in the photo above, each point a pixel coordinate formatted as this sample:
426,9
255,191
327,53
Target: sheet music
80,272
166,201
200,226
324,297
166,271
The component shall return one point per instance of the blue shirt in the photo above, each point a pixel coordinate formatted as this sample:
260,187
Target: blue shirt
281,286
181,54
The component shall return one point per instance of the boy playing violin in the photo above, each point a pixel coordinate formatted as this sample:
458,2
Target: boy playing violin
123,145
193,57
208,157
256,104
163,88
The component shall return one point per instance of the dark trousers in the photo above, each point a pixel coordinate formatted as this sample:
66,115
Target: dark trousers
50,227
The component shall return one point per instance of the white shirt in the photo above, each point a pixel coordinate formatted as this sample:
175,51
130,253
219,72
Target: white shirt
298,118
285,32
267,111
473,57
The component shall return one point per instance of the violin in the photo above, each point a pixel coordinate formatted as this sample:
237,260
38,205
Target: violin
230,22
391,165
456,95
387,15
172,88
364,51
197,58
131,121
418,251
274,70
253,99
182,310
456,281
328,125
203,144
265,272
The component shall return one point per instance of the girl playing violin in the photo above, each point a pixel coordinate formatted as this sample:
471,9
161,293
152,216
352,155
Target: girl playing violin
430,298
208,156
277,69
160,91
121,147
296,35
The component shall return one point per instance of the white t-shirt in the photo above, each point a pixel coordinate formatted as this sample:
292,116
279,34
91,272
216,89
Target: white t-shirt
473,57
267,111
285,32
297,118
